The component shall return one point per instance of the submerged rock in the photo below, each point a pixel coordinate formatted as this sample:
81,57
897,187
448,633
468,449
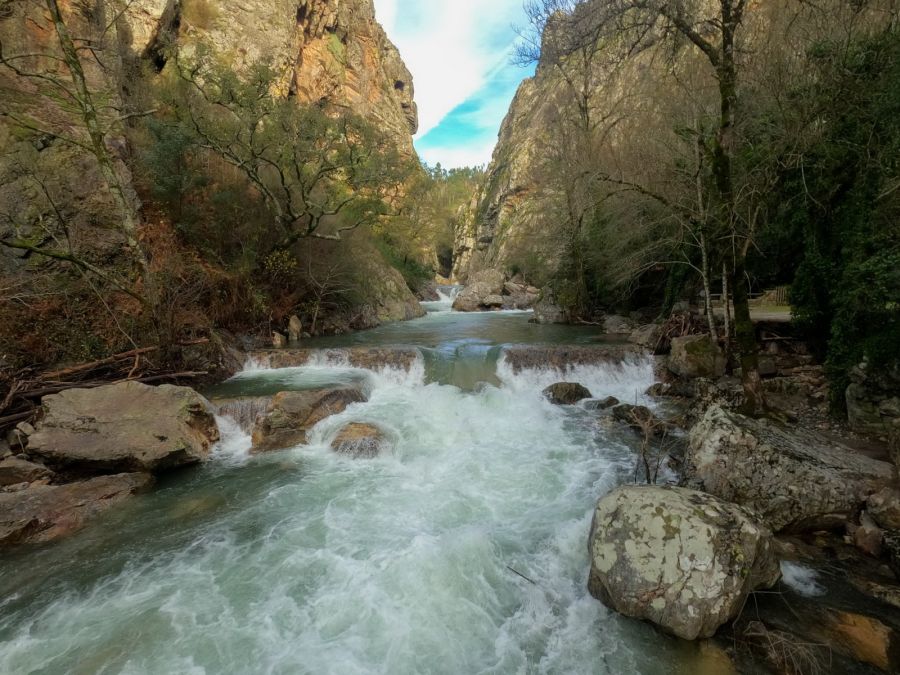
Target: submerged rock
293,413
566,393
696,356
43,513
124,427
795,479
681,559
360,441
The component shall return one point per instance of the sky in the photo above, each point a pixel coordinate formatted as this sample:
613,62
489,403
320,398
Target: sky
460,55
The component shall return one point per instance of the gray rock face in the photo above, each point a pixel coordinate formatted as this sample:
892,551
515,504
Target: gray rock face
546,311
566,393
15,470
884,507
360,441
484,291
873,400
124,427
794,479
696,356
293,413
647,336
681,559
43,513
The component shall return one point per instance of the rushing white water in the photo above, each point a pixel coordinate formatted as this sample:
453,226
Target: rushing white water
306,562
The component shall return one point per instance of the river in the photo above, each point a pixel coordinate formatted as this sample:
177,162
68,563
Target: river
462,551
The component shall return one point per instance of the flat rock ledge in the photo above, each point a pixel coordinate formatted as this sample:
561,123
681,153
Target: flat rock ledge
43,513
126,427
366,358
527,357
681,559
794,479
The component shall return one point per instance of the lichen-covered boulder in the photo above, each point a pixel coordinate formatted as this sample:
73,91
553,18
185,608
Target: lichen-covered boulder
360,441
566,393
123,428
795,479
682,559
292,414
696,356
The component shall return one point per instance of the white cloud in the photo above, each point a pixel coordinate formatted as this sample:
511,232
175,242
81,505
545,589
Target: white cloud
450,46
463,154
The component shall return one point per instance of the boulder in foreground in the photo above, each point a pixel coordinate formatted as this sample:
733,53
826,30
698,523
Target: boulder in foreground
566,393
43,513
123,428
293,413
795,479
682,559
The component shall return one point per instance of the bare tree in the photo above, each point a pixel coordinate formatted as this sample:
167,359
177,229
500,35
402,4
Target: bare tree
633,26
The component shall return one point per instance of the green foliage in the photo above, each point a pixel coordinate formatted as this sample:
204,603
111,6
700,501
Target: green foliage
847,287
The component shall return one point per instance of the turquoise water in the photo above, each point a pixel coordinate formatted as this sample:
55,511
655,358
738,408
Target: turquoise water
306,562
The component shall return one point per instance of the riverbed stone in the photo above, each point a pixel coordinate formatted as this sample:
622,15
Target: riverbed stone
124,427
44,513
795,479
679,558
640,418
482,292
15,470
360,441
884,507
566,393
696,356
292,414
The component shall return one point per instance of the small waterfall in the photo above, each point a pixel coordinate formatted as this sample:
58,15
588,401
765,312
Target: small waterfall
448,293
243,411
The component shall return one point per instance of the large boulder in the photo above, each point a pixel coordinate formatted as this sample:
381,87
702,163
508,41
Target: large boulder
292,414
547,311
123,428
795,479
46,512
681,559
696,356
648,337
566,393
484,291
360,441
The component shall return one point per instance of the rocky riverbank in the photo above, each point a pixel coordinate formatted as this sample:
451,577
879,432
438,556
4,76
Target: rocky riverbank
699,558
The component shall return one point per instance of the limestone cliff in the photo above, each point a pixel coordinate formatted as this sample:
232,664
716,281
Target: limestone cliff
501,224
331,51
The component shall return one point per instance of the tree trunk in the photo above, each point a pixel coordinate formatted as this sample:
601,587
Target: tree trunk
745,334
726,302
707,289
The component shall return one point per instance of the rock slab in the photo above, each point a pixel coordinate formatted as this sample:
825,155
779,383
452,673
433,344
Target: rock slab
795,479
43,513
124,427
679,558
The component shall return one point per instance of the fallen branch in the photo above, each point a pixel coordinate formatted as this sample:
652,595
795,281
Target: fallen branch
65,372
